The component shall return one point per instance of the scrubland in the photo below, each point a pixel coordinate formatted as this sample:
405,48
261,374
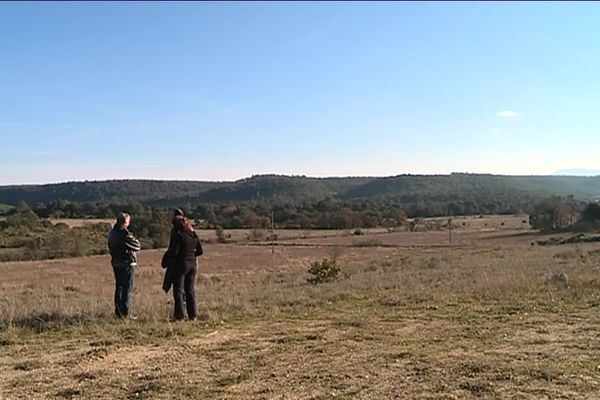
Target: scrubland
492,315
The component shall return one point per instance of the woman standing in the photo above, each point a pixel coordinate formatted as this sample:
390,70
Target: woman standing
184,247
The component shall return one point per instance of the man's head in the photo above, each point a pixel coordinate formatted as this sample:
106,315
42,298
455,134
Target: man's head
123,219
177,212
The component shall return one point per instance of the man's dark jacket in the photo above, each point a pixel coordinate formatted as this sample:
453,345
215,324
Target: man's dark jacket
122,246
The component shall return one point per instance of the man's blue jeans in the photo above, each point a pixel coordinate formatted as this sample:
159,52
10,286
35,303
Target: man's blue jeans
123,287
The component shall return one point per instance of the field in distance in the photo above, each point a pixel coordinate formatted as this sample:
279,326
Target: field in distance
410,316
79,222
461,223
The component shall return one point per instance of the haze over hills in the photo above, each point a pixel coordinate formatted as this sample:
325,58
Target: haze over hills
577,172
295,189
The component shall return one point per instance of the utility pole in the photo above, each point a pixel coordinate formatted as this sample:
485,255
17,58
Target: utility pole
272,233
449,226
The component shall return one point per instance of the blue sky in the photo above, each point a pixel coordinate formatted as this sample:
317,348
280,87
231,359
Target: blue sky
221,91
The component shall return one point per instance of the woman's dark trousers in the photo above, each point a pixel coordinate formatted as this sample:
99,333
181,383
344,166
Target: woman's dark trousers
184,285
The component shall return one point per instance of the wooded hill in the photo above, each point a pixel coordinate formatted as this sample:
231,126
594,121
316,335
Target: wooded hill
297,189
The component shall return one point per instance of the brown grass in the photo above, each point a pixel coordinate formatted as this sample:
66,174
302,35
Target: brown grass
416,319
80,222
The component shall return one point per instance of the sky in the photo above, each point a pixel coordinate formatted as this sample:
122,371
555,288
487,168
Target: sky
223,91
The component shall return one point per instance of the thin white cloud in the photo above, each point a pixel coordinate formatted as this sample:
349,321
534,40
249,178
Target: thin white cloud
508,114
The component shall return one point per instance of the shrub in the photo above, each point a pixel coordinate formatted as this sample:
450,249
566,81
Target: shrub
358,232
220,234
586,226
591,213
324,271
431,262
369,243
255,235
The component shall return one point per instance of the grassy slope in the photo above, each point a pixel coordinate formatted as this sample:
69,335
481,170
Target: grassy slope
476,320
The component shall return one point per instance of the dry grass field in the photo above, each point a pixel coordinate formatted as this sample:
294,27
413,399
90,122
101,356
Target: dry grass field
77,223
491,316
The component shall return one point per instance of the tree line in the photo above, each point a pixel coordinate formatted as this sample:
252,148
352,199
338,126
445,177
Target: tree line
26,233
329,213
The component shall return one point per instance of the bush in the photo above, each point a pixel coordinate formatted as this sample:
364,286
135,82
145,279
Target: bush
369,243
591,215
220,234
358,232
255,235
324,271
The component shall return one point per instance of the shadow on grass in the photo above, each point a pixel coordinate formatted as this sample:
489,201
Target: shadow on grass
510,235
46,321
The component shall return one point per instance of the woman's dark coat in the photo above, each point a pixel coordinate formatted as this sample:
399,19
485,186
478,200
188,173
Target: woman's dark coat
181,255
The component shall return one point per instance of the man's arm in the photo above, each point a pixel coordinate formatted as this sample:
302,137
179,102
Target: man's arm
131,243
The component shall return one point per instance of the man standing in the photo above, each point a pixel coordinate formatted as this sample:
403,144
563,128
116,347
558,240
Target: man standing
122,246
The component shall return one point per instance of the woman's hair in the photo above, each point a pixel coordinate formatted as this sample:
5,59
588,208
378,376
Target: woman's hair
182,224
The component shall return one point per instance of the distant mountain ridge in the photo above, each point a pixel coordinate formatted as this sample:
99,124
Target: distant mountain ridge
578,172
294,189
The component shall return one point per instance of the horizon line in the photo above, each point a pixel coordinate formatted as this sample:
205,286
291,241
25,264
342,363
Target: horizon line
560,173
